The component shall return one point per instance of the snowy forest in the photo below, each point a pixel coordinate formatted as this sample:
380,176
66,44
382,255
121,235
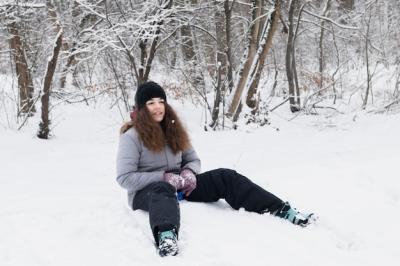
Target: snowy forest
300,96
239,60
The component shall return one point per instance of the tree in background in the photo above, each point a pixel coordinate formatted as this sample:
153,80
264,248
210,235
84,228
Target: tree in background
13,17
44,126
216,52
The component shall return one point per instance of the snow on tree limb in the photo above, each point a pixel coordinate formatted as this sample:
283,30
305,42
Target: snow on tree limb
330,20
90,9
26,5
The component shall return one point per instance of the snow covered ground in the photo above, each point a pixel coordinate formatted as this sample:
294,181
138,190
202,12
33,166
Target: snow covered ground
60,203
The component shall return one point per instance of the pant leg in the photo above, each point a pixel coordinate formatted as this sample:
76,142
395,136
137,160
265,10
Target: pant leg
236,189
159,199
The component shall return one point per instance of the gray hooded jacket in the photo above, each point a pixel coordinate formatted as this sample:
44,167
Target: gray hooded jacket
138,167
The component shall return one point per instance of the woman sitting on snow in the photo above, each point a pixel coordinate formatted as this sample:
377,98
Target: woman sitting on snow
156,162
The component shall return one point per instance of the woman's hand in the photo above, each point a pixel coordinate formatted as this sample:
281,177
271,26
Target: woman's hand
190,181
175,180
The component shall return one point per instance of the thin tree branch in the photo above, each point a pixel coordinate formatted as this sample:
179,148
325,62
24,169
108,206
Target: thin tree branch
331,21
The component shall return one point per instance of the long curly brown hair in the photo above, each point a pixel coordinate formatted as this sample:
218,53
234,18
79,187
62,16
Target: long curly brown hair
155,135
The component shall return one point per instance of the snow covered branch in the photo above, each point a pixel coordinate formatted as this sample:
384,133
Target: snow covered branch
19,4
330,20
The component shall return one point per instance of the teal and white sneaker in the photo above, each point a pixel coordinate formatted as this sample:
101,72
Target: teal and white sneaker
168,243
294,216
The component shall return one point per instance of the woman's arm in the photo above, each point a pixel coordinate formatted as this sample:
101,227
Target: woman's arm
191,160
127,166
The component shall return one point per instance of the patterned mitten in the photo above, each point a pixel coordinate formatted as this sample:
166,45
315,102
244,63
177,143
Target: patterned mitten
175,180
190,181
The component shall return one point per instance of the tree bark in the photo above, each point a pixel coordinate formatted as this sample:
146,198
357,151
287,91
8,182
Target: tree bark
321,45
367,62
273,90
222,63
251,53
228,16
25,83
294,107
266,43
188,51
71,61
44,126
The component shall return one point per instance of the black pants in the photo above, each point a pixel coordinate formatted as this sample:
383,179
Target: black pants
159,198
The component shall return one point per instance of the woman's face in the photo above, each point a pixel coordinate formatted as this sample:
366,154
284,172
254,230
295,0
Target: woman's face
156,108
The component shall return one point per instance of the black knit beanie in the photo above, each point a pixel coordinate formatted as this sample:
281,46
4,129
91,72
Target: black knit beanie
146,91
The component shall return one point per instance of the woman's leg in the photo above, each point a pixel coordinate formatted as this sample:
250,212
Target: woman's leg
237,190
159,199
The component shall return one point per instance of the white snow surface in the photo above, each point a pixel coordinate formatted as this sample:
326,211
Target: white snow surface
61,205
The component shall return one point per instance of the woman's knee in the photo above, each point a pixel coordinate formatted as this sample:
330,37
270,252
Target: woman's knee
231,174
163,187
232,177
226,172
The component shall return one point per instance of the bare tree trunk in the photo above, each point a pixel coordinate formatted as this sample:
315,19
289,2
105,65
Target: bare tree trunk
151,55
270,27
273,90
44,126
218,96
294,107
237,113
222,63
228,16
293,55
337,65
321,44
251,53
367,61
25,84
71,61
143,56
294,69
188,50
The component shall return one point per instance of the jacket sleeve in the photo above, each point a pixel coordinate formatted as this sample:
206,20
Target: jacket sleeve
127,165
191,160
